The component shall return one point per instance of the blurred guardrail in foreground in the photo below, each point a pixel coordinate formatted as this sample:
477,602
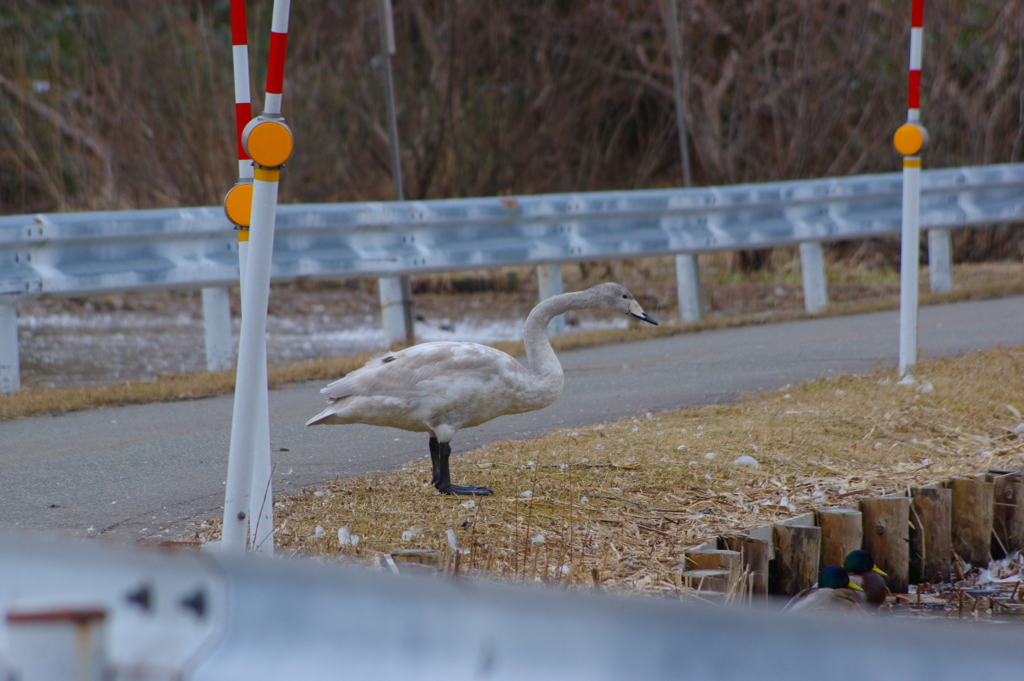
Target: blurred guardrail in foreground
74,254
87,611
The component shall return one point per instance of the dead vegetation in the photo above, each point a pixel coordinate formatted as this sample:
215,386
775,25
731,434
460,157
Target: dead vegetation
615,504
104,102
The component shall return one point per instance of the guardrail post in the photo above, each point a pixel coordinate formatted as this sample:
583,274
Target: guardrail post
217,328
10,366
688,289
812,266
57,645
549,283
940,260
396,310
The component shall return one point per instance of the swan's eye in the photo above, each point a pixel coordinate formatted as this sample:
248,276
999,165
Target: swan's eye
625,296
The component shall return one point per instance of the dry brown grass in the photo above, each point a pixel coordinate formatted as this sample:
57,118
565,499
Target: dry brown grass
615,504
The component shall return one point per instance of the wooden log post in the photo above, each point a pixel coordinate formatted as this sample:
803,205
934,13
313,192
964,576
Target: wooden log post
931,554
971,520
887,537
712,559
841,532
709,561
1007,513
754,558
797,548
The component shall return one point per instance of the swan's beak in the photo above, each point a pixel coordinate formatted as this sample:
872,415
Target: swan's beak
636,311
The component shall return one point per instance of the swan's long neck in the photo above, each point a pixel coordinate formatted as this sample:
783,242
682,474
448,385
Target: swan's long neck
543,362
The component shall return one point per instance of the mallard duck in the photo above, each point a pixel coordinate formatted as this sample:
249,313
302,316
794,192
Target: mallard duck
439,388
834,593
869,577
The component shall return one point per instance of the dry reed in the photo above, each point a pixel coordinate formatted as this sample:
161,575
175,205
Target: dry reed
614,505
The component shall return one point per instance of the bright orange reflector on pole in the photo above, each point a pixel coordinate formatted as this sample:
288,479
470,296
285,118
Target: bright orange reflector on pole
269,143
238,204
910,139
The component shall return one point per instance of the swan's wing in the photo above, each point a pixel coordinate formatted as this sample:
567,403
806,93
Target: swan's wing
407,372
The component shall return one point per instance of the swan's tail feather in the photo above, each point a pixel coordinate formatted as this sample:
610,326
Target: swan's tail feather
321,418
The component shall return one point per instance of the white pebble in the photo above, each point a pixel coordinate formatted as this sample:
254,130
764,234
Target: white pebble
527,494
986,454
538,539
926,387
746,460
878,445
710,455
319,532
681,448
412,533
468,505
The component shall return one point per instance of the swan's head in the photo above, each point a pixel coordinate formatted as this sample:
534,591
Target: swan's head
618,297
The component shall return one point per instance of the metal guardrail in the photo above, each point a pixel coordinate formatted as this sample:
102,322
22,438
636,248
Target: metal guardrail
202,616
83,253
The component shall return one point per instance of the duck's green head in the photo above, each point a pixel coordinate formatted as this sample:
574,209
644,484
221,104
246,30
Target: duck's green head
860,561
835,577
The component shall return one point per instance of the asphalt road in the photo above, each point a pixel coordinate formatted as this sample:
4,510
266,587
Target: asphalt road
130,472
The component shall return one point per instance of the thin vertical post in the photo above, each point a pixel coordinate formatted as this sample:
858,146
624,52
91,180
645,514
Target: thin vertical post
812,270
940,260
676,54
909,140
10,365
688,288
217,328
269,143
395,292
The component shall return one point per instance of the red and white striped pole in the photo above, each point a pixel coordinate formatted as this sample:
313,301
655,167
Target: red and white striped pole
268,141
243,98
238,205
909,140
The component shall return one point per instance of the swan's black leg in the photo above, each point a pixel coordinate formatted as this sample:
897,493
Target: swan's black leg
435,461
444,483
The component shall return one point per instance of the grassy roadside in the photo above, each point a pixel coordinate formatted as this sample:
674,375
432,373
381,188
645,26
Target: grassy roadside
39,401
613,505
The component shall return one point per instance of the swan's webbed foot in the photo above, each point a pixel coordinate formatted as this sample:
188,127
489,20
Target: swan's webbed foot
441,476
465,490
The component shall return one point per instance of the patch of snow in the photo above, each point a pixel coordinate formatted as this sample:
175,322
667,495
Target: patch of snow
746,460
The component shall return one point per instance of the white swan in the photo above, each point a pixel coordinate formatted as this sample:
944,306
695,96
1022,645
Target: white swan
441,387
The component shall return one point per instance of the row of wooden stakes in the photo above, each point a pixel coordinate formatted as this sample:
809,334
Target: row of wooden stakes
920,536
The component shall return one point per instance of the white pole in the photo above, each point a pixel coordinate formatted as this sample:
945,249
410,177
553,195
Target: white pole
909,140
261,493
909,249
269,143
251,348
10,366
